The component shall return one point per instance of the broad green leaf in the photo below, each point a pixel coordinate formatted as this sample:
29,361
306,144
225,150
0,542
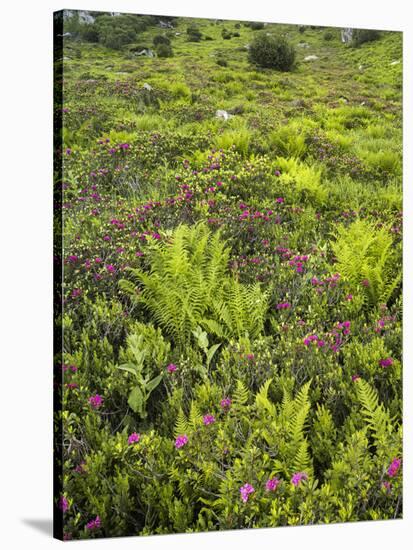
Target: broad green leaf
135,400
152,384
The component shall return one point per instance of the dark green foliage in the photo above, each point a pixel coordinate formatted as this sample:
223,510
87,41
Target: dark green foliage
226,34
301,29
360,36
164,50
89,33
222,62
193,33
161,39
272,52
328,36
116,32
255,25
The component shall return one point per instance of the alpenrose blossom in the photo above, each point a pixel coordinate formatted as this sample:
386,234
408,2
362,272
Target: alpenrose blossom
298,477
171,368
63,504
94,523
388,362
394,467
133,438
246,490
226,403
96,401
272,484
180,441
208,419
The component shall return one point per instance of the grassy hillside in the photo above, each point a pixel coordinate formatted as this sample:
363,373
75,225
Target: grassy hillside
232,282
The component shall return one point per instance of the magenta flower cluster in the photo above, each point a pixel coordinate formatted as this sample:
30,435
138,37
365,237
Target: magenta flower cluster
226,403
63,504
133,438
394,467
171,368
272,484
246,490
96,401
298,477
94,524
180,441
388,362
208,419
283,305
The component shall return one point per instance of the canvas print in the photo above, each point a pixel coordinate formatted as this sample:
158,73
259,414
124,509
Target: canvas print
228,275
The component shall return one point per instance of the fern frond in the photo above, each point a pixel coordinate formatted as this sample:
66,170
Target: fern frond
376,416
241,394
181,424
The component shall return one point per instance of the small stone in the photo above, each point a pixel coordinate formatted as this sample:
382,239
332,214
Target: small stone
310,58
223,114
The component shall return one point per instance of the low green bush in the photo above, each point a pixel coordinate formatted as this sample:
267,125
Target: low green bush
272,52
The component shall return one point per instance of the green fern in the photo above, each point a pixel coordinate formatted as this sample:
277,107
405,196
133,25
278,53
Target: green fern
376,416
241,394
189,285
181,424
366,258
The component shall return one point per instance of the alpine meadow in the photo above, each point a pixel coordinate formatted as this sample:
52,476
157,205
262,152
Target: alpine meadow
228,260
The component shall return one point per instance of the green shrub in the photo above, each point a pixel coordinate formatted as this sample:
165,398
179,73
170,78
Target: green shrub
273,52
89,33
226,35
328,36
222,62
193,34
161,39
360,36
164,50
255,25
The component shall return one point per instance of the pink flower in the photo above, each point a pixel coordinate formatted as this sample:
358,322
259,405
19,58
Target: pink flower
283,305
386,485
80,468
111,268
171,368
226,403
272,484
355,377
388,362
63,504
280,200
76,292
133,438
245,491
96,401
298,477
394,467
208,419
180,441
349,297
94,523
